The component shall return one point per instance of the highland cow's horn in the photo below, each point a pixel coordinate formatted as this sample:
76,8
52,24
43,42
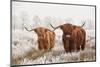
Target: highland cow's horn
28,29
83,24
54,27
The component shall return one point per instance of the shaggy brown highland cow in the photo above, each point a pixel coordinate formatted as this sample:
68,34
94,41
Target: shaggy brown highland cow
73,37
46,38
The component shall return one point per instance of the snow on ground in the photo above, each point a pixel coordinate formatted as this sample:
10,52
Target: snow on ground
24,49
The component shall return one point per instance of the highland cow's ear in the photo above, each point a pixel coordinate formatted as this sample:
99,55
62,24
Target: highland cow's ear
61,26
68,36
35,30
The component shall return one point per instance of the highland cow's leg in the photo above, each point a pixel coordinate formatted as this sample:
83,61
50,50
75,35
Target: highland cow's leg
51,43
40,45
84,40
52,40
66,44
66,47
71,46
78,46
46,45
83,45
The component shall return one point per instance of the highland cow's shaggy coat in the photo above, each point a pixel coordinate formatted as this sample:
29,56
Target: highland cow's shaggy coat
77,37
46,38
73,37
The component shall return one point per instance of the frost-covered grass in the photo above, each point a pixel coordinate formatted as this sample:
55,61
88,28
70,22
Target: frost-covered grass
25,51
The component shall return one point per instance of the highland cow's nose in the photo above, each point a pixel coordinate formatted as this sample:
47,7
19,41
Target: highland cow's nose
68,36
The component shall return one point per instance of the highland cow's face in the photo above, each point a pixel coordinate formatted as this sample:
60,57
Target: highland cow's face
40,31
46,38
66,28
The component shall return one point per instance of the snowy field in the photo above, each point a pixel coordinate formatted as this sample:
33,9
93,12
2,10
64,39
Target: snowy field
25,51
32,15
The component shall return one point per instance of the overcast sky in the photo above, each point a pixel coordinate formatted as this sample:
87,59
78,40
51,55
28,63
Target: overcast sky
77,13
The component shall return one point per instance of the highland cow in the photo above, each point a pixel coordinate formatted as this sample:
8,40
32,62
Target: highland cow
46,38
73,37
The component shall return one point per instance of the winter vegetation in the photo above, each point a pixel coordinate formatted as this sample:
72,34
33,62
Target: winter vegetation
25,51
24,43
